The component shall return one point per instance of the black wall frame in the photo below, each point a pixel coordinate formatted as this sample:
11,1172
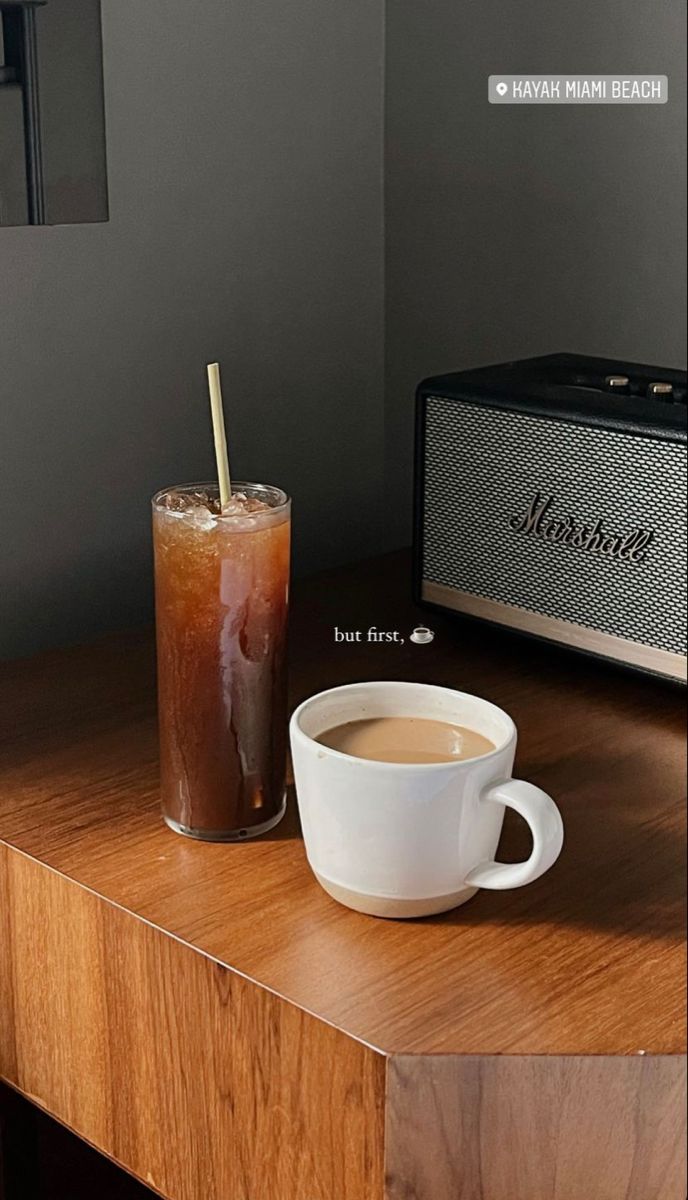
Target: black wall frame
21,66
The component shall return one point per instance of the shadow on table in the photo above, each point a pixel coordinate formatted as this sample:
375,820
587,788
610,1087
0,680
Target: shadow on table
289,827
622,867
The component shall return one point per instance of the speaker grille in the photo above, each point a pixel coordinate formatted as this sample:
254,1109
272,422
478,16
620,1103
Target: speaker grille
484,466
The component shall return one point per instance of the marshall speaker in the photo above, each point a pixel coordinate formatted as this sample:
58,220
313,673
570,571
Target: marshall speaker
550,498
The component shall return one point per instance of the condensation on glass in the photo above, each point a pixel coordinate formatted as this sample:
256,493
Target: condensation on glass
221,596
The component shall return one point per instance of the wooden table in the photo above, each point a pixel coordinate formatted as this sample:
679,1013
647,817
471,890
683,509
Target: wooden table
212,1020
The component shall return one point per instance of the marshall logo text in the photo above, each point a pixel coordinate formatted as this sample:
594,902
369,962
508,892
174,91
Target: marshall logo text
539,520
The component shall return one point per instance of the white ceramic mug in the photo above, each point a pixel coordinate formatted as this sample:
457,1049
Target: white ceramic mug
410,839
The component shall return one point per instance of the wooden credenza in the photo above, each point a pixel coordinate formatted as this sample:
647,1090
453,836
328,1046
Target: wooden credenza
214,1022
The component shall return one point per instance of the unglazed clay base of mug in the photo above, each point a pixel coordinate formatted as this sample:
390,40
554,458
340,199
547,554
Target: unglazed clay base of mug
388,906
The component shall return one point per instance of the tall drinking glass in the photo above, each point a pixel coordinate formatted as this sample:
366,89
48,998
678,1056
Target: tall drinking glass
221,593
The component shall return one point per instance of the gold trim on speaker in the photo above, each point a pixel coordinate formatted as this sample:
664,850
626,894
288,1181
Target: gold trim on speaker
635,654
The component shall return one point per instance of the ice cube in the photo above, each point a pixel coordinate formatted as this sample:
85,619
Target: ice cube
201,517
241,505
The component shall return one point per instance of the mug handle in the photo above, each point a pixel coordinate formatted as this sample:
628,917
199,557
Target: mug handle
546,827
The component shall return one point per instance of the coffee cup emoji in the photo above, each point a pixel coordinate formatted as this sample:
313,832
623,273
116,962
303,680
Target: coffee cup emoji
422,635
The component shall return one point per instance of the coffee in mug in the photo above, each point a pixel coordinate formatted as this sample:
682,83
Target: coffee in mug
402,789
406,740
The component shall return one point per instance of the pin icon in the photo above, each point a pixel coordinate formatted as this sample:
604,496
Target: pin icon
502,89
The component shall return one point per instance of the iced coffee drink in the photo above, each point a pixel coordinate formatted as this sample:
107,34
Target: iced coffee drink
221,584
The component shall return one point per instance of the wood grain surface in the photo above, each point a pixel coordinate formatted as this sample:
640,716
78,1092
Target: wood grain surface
509,1128
209,1017
562,966
205,1086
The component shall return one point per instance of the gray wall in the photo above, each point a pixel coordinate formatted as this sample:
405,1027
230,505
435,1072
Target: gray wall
514,231
245,179
245,163
70,71
13,210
